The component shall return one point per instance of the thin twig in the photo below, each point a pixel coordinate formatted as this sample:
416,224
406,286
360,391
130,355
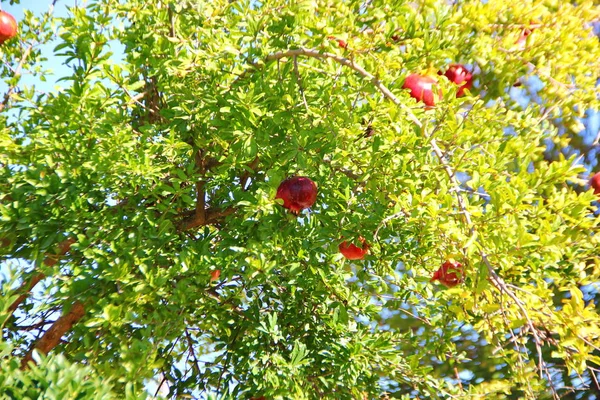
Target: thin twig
458,379
386,220
227,358
163,374
200,192
498,282
191,350
299,81
345,62
246,175
11,89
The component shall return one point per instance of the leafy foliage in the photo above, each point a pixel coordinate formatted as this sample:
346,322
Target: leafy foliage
53,378
158,161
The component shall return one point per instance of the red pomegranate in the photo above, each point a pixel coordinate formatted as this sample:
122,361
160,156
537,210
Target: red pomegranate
595,183
353,252
214,275
341,43
8,26
449,274
297,193
421,88
461,76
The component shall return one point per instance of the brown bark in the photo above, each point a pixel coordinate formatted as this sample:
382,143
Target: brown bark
209,217
63,248
26,288
200,192
246,176
52,336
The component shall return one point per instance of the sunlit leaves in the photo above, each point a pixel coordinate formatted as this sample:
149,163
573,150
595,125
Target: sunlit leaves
118,157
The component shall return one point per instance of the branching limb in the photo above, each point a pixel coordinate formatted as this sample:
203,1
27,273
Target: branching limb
52,336
211,216
203,215
63,248
191,351
299,81
25,289
496,280
17,72
345,62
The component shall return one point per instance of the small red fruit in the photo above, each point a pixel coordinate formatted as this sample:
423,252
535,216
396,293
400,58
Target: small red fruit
353,252
525,32
8,26
340,42
421,88
461,76
214,275
595,183
297,193
450,273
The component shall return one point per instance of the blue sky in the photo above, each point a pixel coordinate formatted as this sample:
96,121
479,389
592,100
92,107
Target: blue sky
38,7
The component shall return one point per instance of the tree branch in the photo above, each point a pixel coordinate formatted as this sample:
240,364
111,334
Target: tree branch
52,336
25,289
17,72
345,62
200,213
496,280
212,215
63,248
246,176
191,350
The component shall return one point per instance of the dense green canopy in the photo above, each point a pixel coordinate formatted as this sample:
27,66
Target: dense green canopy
139,221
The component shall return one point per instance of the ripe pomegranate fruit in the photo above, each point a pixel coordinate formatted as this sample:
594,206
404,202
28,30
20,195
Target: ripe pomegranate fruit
461,76
421,88
595,183
297,193
353,252
449,274
8,26
341,43
214,275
